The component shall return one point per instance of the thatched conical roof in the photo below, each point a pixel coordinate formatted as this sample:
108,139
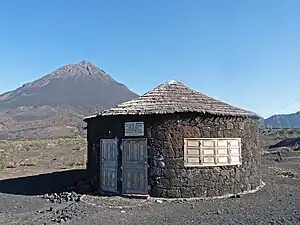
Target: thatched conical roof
175,97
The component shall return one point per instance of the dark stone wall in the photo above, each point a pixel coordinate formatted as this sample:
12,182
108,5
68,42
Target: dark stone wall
166,139
165,135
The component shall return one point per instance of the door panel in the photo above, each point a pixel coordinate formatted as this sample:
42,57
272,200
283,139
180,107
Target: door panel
108,163
135,167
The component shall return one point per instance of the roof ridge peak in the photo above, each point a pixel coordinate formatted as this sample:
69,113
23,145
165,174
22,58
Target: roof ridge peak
173,81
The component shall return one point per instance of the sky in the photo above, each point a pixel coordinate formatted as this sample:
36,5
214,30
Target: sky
245,53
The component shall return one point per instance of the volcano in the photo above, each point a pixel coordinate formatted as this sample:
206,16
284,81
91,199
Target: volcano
59,101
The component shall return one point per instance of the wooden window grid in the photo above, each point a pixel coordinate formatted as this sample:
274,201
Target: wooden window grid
200,152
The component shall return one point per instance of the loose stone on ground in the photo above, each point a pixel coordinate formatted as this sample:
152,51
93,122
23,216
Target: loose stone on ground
60,197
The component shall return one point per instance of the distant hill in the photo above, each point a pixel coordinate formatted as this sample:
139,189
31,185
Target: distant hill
282,121
55,104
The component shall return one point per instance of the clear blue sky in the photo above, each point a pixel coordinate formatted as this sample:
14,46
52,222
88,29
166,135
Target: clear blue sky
246,53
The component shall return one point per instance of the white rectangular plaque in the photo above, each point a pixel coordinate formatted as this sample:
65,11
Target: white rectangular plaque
134,128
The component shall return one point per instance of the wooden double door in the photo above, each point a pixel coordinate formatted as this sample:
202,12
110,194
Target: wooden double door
124,168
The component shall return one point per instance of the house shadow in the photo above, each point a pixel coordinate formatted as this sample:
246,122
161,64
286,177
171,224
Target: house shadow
44,183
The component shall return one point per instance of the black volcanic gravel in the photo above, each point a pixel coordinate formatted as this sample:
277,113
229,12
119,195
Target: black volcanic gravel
277,203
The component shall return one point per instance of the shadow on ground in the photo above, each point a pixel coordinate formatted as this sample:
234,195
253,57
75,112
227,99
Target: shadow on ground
43,183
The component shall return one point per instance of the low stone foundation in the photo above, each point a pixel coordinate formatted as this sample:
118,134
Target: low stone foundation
125,203
237,195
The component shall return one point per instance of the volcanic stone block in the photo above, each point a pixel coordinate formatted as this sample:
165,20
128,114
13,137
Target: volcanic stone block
186,192
173,193
169,173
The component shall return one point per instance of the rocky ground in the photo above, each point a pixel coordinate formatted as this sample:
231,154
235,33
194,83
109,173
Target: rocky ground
21,158
277,203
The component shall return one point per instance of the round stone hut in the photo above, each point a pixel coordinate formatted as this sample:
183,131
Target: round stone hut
174,142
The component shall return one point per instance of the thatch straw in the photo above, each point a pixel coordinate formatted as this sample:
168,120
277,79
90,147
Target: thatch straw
174,97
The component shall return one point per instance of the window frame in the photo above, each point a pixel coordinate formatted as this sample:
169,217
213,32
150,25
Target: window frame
215,154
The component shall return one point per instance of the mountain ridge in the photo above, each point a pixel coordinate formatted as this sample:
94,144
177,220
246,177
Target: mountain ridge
60,98
70,82
291,120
